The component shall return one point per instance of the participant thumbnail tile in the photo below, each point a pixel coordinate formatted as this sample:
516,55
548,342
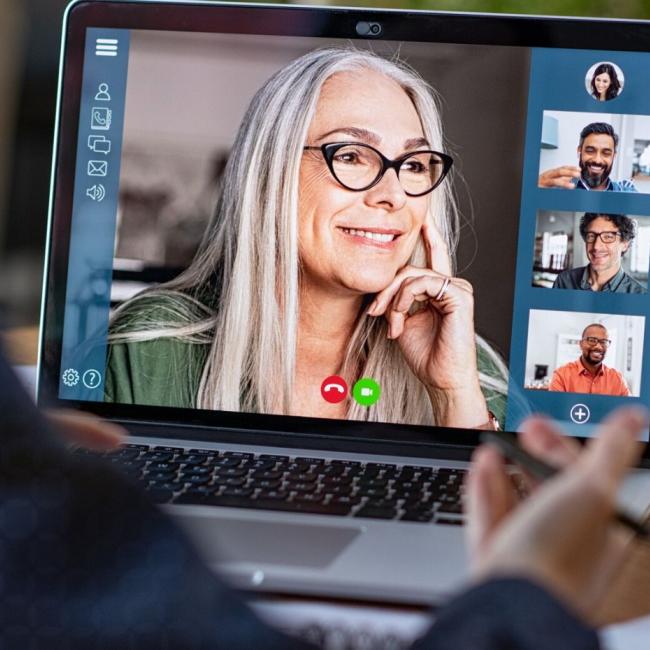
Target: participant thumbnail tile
595,151
579,352
591,251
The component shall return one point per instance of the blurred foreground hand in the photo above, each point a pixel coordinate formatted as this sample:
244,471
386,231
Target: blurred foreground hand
85,430
564,535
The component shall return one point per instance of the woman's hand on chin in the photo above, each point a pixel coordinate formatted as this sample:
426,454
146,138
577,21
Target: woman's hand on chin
438,342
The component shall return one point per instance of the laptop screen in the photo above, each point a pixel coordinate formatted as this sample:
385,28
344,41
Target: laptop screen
374,230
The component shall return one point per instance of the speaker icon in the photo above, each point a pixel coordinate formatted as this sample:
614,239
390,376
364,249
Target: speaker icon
96,192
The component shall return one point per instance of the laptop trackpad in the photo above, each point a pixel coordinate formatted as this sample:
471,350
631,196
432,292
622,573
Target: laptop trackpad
238,540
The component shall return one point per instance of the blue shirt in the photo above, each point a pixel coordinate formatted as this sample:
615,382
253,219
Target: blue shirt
612,186
579,279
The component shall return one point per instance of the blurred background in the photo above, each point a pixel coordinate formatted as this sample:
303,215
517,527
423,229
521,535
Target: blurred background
29,48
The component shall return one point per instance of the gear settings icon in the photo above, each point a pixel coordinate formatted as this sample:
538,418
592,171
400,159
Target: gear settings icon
70,377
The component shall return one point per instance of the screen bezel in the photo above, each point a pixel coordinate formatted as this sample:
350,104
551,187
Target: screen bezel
277,20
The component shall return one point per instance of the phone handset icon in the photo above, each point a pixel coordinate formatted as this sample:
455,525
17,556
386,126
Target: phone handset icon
330,387
334,389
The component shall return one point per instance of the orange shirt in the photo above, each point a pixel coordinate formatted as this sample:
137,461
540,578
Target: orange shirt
573,377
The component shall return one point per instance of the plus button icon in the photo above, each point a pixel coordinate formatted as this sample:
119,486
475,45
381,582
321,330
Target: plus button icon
580,413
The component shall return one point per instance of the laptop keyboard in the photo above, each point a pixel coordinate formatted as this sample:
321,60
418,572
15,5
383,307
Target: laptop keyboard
173,475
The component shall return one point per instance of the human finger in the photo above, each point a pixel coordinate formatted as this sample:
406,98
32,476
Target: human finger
559,177
566,170
559,181
412,290
436,249
384,297
86,430
541,437
616,446
490,497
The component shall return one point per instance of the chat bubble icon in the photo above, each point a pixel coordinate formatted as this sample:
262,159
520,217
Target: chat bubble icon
99,144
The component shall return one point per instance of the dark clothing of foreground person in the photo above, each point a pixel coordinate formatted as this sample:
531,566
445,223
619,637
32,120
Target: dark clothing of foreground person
86,562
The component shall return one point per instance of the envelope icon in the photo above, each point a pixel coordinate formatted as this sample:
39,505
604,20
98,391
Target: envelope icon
97,168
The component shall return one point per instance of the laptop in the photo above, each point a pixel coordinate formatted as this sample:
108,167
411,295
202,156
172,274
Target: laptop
306,255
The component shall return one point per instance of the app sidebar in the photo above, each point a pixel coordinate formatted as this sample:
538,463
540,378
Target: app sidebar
94,210
581,296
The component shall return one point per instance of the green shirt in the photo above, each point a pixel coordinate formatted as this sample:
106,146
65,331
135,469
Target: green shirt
167,371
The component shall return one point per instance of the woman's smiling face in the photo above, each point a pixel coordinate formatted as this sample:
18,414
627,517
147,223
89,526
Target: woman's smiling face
357,241
602,83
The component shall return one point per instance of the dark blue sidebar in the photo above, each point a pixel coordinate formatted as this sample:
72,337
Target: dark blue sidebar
94,210
558,84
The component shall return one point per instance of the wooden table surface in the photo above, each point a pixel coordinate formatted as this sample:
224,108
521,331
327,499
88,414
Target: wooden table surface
629,596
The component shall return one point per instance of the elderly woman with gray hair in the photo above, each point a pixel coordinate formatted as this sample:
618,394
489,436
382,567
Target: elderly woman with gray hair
331,251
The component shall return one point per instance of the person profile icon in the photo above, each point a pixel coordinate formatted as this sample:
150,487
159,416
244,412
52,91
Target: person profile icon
102,93
604,81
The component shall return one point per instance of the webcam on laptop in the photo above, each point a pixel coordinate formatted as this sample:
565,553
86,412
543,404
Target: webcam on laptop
365,28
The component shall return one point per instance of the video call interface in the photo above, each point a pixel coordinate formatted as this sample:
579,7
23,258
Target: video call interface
340,229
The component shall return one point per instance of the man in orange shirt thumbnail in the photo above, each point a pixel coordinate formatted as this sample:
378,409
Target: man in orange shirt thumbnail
589,374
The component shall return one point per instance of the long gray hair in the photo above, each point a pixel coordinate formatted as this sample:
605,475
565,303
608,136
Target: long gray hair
240,295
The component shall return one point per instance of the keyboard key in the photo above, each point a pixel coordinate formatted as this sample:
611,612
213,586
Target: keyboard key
123,454
373,512
309,498
406,473
224,462
157,456
302,487
238,492
337,489
375,493
195,479
345,499
368,473
332,470
275,495
373,482
162,467
310,461
195,459
449,521
269,475
301,477
380,466
274,458
259,465
295,466
174,486
202,489
160,476
337,480
230,481
197,470
422,516
451,508
382,503
231,472
285,506
267,485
